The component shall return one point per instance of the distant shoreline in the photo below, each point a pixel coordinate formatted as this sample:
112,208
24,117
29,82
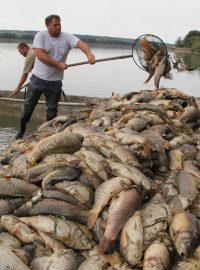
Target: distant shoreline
12,36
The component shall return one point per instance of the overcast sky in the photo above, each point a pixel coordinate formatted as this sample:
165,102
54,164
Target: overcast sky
167,19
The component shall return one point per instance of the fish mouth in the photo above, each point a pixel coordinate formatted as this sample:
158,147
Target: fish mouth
183,255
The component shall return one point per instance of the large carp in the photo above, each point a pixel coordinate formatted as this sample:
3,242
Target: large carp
57,143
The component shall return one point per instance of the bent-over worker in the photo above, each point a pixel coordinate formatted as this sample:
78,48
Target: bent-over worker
29,54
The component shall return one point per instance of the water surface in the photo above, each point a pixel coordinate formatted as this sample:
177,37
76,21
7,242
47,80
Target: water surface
101,79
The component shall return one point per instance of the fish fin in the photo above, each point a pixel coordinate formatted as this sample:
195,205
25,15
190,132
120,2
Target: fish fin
113,258
105,246
92,219
128,239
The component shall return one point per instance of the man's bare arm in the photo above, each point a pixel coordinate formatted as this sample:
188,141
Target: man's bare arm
19,86
86,50
46,59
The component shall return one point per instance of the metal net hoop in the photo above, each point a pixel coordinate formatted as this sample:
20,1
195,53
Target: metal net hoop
153,42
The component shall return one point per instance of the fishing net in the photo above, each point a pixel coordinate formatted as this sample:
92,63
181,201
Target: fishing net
145,47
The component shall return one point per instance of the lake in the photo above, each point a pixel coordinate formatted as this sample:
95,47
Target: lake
101,79
8,129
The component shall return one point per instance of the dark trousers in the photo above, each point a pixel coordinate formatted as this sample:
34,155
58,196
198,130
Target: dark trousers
52,91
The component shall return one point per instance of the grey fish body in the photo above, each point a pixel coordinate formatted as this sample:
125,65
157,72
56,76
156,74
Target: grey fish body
187,185
189,151
8,260
137,124
38,172
7,206
69,160
63,196
9,241
19,167
17,187
57,143
89,180
155,216
54,207
56,176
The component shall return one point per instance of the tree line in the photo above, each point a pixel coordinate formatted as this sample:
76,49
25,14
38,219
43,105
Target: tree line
190,41
28,36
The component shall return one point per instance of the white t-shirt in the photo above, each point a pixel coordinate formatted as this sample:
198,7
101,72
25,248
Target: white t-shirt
58,48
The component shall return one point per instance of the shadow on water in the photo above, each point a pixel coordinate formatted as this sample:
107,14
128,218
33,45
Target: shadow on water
8,129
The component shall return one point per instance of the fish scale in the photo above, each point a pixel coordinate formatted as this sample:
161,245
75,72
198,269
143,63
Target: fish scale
57,143
17,187
53,207
8,260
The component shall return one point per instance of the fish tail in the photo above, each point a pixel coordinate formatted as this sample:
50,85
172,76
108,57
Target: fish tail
105,246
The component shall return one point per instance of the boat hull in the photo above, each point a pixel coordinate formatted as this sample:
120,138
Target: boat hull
13,106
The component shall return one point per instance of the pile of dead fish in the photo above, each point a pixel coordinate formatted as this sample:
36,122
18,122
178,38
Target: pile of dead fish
112,186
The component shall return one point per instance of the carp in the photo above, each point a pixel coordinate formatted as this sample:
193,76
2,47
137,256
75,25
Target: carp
184,232
106,191
57,143
72,234
17,188
131,239
156,257
17,228
121,209
53,207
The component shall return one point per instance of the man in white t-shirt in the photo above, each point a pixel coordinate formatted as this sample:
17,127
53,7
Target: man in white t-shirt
51,48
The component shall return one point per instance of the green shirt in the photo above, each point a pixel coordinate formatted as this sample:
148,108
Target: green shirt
29,61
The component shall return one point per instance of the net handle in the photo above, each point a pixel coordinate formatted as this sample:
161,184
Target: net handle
100,60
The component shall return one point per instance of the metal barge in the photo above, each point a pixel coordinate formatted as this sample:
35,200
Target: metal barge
13,106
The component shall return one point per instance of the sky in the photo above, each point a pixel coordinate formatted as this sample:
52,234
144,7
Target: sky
167,19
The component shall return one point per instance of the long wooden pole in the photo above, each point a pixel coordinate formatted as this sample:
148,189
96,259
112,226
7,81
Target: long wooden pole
100,60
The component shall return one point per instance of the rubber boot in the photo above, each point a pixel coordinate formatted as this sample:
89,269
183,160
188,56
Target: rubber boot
22,129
